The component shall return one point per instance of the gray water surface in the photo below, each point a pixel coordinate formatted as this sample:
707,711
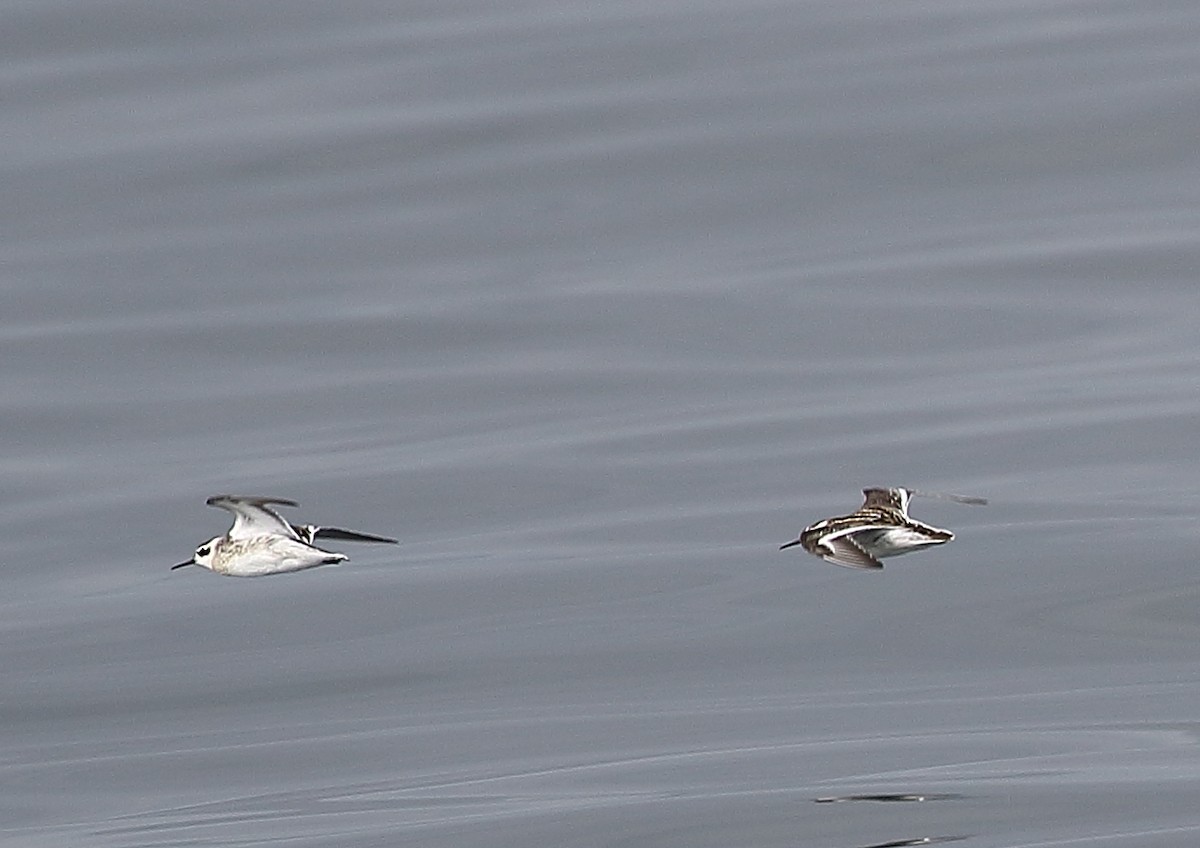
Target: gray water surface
593,306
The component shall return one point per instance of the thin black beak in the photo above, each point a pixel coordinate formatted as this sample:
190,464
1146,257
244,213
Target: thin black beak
789,544
182,564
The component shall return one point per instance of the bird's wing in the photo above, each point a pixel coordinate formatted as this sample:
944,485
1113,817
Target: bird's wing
254,517
311,532
928,532
894,498
840,548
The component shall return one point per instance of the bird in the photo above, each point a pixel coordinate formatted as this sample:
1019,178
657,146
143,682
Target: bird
261,542
878,529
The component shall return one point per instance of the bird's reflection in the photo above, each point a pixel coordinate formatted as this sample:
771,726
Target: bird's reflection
888,797
924,840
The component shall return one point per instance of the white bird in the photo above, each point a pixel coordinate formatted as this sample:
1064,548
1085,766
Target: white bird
260,542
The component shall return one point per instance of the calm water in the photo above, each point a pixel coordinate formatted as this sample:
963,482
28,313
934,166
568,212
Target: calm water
593,305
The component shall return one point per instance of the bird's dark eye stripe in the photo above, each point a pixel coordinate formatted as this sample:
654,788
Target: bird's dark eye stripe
203,551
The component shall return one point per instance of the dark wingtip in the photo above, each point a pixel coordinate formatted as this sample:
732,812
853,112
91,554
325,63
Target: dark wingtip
218,500
351,536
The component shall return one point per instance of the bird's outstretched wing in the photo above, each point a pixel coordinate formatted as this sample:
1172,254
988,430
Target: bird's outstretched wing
894,498
311,532
253,516
842,549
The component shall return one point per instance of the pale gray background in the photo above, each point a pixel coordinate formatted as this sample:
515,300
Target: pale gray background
593,305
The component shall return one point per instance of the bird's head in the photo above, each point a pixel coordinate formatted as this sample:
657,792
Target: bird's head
203,556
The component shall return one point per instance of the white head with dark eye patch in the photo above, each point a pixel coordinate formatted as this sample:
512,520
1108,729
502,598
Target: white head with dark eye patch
204,555
206,552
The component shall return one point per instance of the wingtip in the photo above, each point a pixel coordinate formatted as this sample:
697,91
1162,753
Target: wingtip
222,500
342,535
874,565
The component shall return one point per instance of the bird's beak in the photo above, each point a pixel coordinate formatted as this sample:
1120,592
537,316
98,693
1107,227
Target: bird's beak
182,564
789,544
